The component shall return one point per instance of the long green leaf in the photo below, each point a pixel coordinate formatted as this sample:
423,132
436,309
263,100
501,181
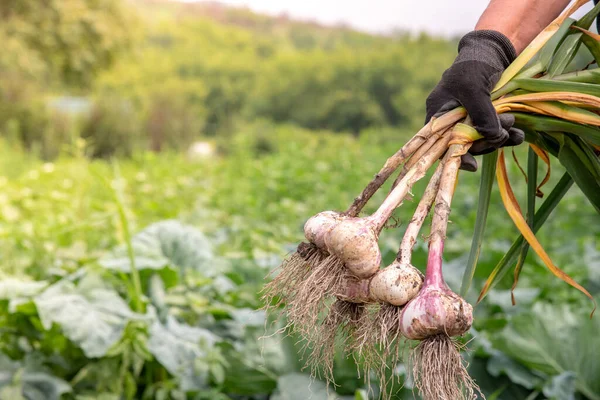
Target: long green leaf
559,191
540,62
532,170
133,280
488,172
593,46
119,197
567,112
550,85
580,167
544,142
514,211
565,54
570,45
587,76
532,167
594,159
588,157
549,124
550,48
586,21
527,73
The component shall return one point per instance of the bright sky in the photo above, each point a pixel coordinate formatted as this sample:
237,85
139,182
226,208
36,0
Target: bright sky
440,17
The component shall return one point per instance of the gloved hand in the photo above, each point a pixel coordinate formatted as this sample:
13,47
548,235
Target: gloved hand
482,57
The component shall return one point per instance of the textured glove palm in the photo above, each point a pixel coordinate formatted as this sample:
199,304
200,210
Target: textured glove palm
482,57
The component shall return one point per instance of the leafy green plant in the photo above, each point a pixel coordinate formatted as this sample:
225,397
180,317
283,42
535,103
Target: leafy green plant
537,339
82,328
59,225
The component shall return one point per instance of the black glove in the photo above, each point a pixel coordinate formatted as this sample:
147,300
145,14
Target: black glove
482,57
482,146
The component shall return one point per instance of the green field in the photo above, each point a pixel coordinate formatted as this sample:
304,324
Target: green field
131,270
64,245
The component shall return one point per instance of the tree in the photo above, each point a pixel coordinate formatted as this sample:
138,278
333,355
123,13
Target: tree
63,41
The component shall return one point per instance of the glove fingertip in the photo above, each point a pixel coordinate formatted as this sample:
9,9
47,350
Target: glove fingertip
468,163
516,132
515,137
506,120
489,125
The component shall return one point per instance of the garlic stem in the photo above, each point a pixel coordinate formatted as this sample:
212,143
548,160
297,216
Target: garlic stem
434,126
413,228
439,224
418,171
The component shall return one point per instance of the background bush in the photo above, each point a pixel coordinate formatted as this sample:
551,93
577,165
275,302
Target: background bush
179,73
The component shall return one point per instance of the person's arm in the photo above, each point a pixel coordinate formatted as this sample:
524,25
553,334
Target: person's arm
505,28
520,20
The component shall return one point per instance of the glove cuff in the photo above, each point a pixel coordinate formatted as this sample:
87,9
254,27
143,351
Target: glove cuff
489,46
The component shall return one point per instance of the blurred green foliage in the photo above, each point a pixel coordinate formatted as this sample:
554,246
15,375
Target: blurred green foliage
66,41
61,238
52,47
180,72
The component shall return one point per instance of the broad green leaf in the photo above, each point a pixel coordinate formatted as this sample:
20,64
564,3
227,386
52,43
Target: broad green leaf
499,364
244,318
503,299
538,339
13,392
301,387
168,243
246,381
247,376
30,381
258,357
11,288
178,347
22,305
44,385
94,319
561,387
488,171
498,387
